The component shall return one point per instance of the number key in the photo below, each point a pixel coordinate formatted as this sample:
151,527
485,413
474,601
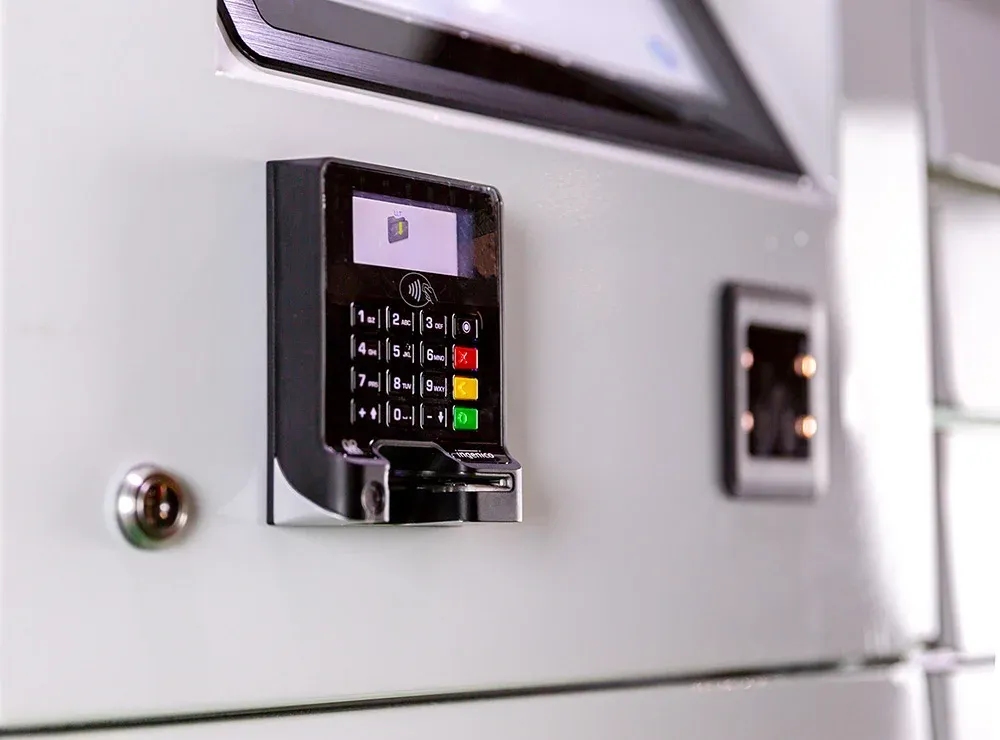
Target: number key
365,316
365,379
433,324
434,385
399,384
402,352
365,347
400,414
398,321
433,355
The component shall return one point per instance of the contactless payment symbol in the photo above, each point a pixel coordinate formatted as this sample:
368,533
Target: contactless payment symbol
416,290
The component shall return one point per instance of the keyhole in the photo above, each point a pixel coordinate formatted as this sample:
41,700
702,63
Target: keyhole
161,506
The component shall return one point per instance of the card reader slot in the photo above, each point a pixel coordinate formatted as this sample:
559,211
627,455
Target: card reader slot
420,505
427,486
470,483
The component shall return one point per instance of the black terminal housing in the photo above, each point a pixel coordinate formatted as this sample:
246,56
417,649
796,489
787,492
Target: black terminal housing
385,383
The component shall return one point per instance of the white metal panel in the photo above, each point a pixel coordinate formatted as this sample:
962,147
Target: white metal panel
969,553
881,706
964,704
133,144
965,234
960,56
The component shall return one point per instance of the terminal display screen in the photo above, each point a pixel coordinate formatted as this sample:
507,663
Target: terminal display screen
412,235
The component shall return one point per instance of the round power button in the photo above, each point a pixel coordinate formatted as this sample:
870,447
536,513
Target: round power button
466,327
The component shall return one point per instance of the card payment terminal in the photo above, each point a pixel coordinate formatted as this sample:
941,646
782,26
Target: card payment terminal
386,383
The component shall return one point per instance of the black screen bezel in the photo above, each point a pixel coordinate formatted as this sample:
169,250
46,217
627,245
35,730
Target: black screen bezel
322,39
342,182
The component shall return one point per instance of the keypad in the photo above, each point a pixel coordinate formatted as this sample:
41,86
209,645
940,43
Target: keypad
466,419
465,389
399,383
397,351
366,316
399,321
433,324
413,369
465,327
366,379
465,358
434,355
434,385
365,411
365,346
400,414
433,416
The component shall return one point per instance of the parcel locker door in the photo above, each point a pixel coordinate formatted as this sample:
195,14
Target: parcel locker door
968,546
963,703
961,45
965,245
135,230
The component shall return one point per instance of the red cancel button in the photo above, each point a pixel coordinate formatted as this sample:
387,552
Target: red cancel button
466,358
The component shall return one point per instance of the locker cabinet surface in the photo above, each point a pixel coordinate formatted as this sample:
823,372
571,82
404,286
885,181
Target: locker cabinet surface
969,482
965,244
133,151
880,706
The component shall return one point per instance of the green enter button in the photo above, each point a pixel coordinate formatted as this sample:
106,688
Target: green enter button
465,419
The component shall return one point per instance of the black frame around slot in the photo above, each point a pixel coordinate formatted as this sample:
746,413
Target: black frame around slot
326,40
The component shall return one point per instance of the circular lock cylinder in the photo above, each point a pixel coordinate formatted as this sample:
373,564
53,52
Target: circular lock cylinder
152,507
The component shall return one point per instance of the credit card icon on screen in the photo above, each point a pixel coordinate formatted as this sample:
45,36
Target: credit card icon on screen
399,229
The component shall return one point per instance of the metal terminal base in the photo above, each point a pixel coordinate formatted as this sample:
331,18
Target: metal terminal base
439,494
